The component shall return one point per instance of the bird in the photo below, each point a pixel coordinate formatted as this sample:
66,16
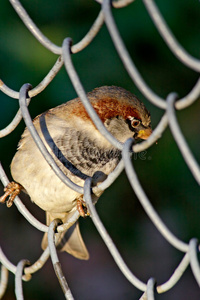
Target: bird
80,151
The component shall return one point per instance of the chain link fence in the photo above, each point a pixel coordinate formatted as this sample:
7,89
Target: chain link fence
23,270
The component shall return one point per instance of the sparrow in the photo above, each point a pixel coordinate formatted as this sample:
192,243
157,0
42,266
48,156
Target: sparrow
80,151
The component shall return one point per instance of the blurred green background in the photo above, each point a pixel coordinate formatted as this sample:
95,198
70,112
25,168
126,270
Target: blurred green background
163,173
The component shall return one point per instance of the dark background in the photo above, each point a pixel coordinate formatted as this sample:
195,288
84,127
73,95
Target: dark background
163,173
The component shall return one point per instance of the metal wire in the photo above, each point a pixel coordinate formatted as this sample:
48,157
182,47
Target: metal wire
4,280
21,207
126,59
169,236
33,28
81,93
167,35
178,272
8,129
150,288
178,136
55,260
23,105
169,106
193,250
107,240
18,279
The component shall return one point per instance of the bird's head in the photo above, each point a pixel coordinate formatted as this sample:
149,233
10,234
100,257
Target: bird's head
123,114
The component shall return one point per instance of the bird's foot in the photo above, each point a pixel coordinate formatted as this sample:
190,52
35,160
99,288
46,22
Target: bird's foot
11,190
81,207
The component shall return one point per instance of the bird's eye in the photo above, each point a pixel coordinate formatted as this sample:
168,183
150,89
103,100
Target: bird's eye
135,123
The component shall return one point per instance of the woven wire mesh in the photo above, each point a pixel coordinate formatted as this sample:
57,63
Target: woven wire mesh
169,106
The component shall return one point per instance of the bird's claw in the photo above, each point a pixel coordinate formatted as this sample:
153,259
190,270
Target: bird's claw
81,207
11,190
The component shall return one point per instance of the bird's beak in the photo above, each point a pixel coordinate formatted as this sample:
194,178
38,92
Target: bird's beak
144,133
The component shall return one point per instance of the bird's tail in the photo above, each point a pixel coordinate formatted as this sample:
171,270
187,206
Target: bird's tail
71,241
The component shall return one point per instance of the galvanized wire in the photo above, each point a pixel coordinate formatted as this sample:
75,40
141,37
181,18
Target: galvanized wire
193,250
179,138
56,262
27,118
107,240
18,279
3,280
169,38
169,236
82,94
21,207
169,105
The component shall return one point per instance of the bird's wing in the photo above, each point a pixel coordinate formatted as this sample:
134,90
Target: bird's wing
75,149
